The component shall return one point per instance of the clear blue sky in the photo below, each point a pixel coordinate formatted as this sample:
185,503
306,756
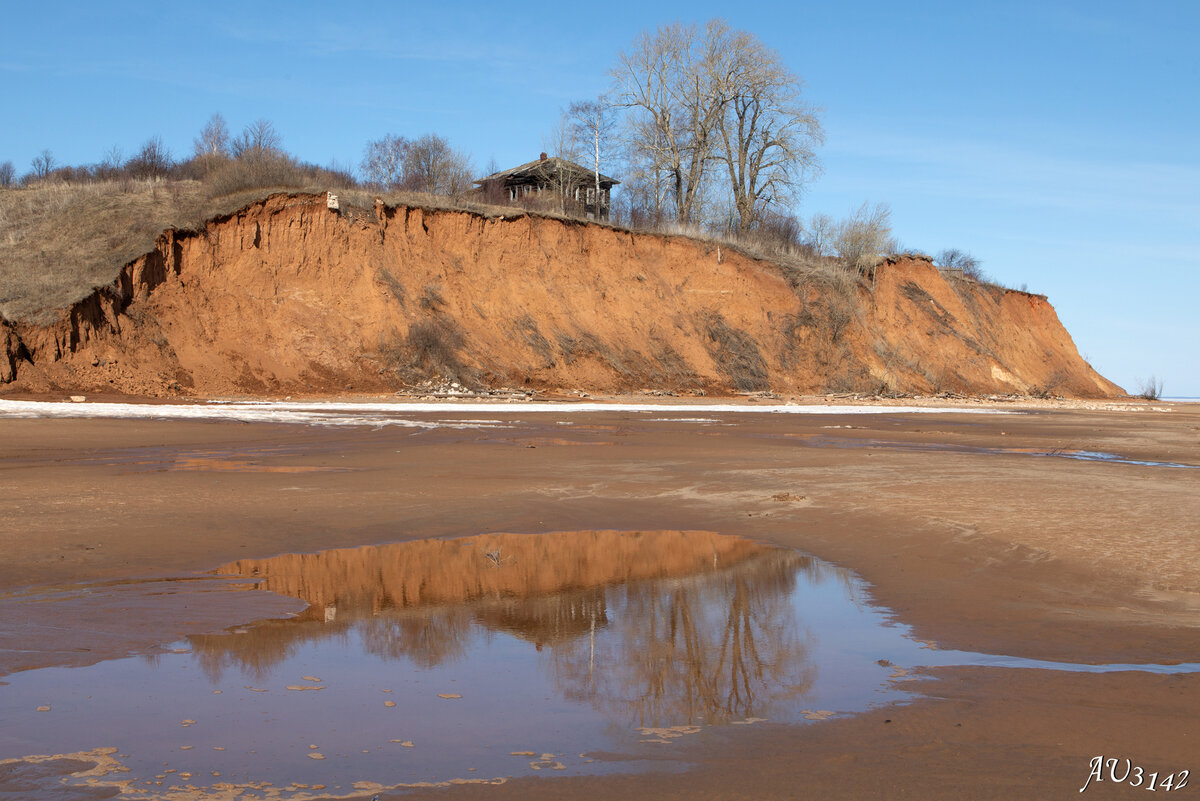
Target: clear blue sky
1055,141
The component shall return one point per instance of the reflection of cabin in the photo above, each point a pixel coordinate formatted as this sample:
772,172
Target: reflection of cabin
551,619
552,182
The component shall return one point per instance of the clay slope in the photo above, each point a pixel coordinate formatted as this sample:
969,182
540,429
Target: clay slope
289,297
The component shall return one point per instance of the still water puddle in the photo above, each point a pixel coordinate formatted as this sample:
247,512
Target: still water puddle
476,659
943,447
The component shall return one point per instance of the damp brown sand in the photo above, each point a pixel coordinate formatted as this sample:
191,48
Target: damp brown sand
1004,553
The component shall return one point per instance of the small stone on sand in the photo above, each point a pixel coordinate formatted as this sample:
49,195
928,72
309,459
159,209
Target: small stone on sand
820,714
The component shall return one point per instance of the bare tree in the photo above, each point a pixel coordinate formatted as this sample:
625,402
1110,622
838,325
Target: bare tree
592,121
563,143
646,185
865,236
672,82
211,147
431,165
955,259
702,96
258,141
213,139
383,162
819,233
768,137
152,161
111,165
43,164
8,174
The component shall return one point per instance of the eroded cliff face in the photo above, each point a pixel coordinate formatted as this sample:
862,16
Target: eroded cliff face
289,297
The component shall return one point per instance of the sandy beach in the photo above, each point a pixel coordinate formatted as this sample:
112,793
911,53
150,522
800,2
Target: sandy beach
1055,531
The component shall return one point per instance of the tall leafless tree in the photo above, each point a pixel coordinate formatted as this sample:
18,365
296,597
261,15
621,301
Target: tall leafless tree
211,147
258,141
214,138
701,96
383,162
768,136
673,82
865,236
431,165
153,160
43,164
8,174
593,123
563,143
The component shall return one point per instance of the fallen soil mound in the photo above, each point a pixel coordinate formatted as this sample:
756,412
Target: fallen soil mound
287,296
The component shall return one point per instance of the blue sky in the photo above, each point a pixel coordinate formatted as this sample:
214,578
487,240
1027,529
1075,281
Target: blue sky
1055,141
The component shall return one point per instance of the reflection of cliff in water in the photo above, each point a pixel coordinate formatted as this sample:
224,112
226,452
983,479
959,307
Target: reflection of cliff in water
651,627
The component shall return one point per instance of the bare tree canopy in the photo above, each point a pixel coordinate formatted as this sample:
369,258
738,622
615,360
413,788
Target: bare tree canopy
431,165
768,136
152,161
592,123
955,259
383,162
258,141
426,164
666,80
8,174
214,138
700,97
43,164
865,236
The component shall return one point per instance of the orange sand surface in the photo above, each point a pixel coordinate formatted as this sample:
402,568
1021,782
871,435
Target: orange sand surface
976,530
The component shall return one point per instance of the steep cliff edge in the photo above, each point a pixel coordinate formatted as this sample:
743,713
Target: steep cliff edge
289,297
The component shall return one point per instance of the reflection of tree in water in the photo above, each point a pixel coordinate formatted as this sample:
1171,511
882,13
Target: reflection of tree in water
711,639
258,650
709,648
426,637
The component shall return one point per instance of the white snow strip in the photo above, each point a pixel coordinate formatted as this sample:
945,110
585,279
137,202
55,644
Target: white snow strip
336,413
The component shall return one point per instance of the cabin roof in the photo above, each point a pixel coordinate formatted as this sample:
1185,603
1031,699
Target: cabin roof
543,168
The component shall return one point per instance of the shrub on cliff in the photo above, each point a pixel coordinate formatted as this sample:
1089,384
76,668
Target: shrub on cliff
429,352
864,237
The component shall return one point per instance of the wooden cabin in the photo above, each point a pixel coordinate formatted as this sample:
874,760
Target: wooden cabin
552,183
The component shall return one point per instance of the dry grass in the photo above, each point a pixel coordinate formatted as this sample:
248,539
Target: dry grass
736,355
60,241
429,352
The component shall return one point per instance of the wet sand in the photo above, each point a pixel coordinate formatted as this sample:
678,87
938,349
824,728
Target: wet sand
976,530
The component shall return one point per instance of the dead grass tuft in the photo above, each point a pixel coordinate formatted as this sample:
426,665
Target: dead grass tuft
429,352
736,355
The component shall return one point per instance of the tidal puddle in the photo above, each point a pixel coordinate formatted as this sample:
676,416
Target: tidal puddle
942,447
475,659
